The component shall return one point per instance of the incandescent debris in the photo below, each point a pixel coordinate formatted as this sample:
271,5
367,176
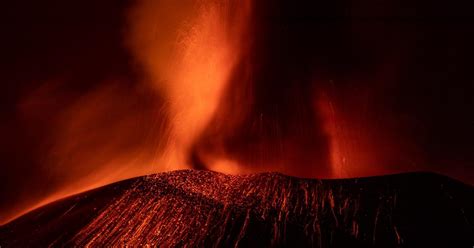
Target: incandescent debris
204,208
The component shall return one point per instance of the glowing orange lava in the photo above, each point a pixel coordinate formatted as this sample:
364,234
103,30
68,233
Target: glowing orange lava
187,52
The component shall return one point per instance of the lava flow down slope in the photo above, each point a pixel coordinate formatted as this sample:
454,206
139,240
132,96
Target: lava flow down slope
236,123
202,208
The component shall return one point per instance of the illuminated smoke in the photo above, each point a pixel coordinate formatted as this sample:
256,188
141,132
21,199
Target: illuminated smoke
189,60
222,87
237,101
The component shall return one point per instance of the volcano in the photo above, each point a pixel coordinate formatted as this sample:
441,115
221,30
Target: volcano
204,208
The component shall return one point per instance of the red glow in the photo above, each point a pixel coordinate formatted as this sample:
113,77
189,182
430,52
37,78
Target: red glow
194,100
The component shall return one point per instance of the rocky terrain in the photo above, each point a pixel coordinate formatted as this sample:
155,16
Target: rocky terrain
201,208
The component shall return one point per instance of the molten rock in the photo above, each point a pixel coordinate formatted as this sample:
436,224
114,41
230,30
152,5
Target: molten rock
203,208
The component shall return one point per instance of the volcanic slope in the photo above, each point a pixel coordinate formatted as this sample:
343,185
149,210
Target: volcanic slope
204,208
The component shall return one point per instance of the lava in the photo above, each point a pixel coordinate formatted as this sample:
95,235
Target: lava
244,95
188,59
231,86
203,208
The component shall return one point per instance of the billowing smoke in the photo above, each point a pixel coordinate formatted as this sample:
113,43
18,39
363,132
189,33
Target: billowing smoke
315,89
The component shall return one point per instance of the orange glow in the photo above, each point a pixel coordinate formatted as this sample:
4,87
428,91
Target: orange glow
191,64
359,146
96,139
187,51
348,156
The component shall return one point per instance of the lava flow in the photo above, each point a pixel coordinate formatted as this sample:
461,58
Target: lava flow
207,209
232,86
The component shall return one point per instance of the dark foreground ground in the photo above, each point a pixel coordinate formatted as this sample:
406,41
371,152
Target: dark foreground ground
202,208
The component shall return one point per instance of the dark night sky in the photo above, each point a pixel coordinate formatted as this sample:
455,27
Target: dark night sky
414,57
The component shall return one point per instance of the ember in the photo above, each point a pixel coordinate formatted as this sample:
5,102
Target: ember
251,110
203,208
